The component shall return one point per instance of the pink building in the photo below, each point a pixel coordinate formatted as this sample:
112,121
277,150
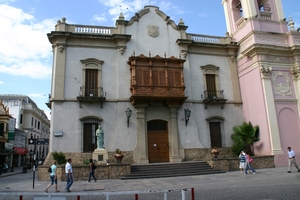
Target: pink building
268,69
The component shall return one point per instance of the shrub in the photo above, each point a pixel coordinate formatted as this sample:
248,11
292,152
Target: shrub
59,157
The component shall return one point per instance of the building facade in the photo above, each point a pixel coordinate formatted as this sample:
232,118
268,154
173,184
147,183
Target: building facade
30,123
268,69
183,92
181,89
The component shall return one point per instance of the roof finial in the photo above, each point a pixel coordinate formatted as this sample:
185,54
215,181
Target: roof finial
291,23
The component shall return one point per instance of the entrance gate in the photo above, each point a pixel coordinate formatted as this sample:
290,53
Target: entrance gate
158,142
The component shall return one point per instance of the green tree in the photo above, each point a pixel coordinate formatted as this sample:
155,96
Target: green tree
245,135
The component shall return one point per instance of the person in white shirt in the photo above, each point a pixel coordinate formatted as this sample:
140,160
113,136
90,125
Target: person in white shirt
292,160
69,171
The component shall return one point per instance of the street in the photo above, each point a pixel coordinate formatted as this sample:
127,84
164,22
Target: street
272,184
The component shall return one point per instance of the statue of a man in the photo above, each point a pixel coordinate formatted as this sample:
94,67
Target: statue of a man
100,137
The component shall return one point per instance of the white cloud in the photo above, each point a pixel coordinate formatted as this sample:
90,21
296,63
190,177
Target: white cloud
24,46
1,82
128,8
100,18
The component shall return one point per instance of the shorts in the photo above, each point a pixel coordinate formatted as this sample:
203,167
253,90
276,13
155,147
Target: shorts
242,165
53,180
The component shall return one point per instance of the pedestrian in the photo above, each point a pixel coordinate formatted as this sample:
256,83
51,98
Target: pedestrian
248,164
53,177
292,160
92,170
242,161
69,175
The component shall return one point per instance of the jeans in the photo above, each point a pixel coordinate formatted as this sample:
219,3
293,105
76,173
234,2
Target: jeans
92,175
69,181
248,166
292,161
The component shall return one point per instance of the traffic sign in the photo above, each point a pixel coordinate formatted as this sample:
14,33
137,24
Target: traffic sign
30,141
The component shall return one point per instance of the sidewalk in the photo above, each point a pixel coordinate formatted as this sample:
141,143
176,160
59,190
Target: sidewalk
16,170
277,179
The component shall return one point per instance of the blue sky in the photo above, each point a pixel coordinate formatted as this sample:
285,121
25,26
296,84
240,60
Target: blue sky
26,54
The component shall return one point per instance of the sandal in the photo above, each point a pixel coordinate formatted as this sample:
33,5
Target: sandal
57,191
46,191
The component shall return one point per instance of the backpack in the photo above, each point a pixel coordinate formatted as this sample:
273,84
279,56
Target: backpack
94,166
49,169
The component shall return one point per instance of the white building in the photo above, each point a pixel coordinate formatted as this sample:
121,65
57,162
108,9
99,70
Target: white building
152,66
30,120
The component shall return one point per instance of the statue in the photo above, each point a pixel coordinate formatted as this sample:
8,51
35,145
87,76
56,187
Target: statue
100,137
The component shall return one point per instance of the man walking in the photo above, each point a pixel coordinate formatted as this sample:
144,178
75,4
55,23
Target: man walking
292,160
69,171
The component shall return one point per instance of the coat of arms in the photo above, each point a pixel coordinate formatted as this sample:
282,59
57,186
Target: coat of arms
153,30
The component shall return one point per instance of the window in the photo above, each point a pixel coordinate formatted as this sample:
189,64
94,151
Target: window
32,121
21,118
39,124
91,77
2,130
211,81
216,130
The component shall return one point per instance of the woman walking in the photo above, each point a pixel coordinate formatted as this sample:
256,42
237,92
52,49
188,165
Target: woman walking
53,177
92,170
248,164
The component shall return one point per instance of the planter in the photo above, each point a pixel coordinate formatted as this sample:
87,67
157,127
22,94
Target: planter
119,157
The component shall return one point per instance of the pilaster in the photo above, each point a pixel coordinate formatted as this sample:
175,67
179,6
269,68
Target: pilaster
270,109
175,157
142,140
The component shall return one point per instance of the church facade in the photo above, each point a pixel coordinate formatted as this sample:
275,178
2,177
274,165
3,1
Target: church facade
159,92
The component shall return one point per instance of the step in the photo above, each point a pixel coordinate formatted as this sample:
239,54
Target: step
161,170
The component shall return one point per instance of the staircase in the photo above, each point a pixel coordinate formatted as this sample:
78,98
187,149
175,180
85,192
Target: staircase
162,170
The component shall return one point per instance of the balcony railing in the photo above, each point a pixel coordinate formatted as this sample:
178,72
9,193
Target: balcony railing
214,97
91,95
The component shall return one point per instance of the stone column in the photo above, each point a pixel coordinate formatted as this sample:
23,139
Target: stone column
174,141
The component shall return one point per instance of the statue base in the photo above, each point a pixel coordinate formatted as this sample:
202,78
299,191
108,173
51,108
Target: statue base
100,156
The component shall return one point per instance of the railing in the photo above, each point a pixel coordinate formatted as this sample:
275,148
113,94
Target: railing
149,194
213,94
205,38
93,29
265,15
240,22
91,92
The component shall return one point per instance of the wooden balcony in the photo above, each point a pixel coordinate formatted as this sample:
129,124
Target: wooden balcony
215,97
156,80
88,95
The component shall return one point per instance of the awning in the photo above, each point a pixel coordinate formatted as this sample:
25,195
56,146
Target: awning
20,150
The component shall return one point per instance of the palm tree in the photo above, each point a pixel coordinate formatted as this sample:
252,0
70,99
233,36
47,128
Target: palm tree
246,133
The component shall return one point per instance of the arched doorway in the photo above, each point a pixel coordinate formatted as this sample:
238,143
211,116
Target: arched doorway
158,141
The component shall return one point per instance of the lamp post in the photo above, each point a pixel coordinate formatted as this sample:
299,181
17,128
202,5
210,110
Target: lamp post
128,114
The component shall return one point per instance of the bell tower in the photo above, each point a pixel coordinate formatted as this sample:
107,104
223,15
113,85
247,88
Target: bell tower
268,58
260,15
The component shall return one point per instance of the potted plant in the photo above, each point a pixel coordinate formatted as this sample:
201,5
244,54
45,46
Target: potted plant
215,152
118,155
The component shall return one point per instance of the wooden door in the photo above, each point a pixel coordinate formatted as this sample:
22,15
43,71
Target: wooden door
211,85
89,137
158,142
215,134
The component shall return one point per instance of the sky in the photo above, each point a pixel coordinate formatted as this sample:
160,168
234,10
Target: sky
26,54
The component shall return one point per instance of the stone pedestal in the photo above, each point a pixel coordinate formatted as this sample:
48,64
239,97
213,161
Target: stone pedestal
100,155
